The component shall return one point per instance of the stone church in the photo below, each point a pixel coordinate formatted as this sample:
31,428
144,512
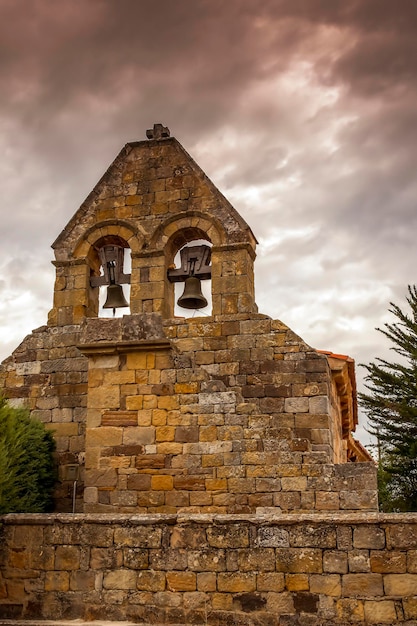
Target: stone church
223,411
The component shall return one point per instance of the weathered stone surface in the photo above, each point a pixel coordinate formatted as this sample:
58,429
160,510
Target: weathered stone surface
207,562
362,585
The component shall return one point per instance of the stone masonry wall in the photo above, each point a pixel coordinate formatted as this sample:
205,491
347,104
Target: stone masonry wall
315,570
223,415
48,374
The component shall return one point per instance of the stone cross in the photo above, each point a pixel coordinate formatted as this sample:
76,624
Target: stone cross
158,132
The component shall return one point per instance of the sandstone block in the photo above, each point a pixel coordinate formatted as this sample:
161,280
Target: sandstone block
105,558
57,581
232,582
294,483
140,536
135,558
94,535
216,484
401,536
104,436
359,500
82,581
168,559
388,562
382,612
104,397
335,561
101,478
412,561
222,601
299,560
362,585
228,536
162,483
319,405
283,604
327,584
120,579
139,482
67,558
273,537
181,581
169,447
256,559
309,536
327,501
270,581
358,561
297,582
410,607
400,584
296,405
207,581
139,435
350,610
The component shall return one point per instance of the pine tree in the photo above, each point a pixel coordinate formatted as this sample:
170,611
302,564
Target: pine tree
27,474
391,405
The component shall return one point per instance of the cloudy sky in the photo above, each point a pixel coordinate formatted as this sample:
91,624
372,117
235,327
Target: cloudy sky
302,112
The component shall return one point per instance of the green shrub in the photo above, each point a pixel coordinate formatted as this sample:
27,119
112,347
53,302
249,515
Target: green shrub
27,473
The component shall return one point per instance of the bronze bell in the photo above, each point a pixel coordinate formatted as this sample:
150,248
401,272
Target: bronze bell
115,297
192,298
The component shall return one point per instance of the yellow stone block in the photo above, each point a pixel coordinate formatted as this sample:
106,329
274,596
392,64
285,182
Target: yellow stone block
95,378
169,447
134,403
212,460
92,458
181,581
119,378
154,377
104,397
236,582
222,601
208,433
151,581
270,581
296,582
136,360
103,436
186,388
216,484
150,401
165,433
159,417
168,402
145,417
162,483
69,429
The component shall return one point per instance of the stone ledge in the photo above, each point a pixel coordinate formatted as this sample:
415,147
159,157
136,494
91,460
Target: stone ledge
128,519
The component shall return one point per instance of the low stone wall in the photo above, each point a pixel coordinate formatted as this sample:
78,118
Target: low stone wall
211,569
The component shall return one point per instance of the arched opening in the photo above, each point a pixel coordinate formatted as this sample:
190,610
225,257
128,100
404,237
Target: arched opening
111,282
194,260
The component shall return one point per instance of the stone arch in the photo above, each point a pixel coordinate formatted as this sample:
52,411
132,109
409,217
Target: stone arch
194,225
133,236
